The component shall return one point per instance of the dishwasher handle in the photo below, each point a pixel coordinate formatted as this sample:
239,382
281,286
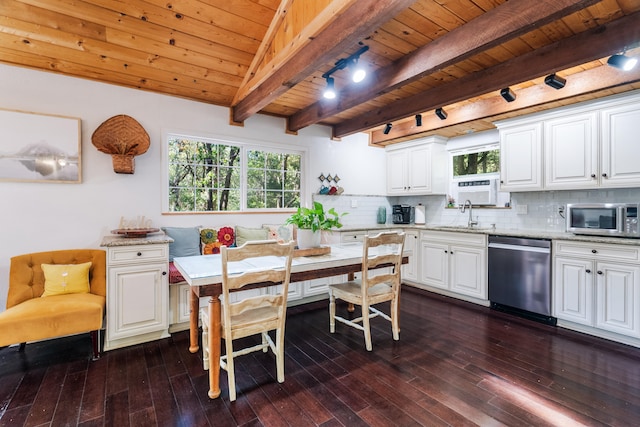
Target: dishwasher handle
519,248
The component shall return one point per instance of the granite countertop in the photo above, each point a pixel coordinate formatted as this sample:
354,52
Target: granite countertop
149,239
534,234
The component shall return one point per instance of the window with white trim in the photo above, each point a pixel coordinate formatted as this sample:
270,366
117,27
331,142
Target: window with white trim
209,175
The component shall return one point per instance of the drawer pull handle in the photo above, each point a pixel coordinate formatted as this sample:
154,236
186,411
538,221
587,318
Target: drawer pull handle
139,253
599,272
593,251
593,175
164,273
588,271
604,175
446,251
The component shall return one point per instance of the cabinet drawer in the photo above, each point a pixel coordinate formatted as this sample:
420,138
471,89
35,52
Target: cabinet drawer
449,237
352,237
597,250
128,254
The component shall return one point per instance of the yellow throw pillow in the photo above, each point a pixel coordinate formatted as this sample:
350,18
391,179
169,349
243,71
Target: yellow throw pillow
62,279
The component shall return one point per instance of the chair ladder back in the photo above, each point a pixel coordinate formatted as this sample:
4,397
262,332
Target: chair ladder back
387,249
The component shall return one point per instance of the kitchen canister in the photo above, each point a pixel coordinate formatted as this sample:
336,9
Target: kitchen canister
382,215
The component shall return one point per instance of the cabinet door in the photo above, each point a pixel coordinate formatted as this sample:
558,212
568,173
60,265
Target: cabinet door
137,300
571,152
521,158
620,166
397,172
468,271
573,290
410,270
434,269
419,179
618,298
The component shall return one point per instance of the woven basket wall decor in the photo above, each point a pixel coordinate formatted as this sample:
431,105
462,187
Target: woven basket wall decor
123,138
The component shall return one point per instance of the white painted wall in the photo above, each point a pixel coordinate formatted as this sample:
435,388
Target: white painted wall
39,217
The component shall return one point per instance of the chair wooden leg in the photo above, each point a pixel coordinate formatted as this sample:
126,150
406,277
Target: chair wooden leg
367,327
332,313
280,355
204,320
231,375
95,341
395,324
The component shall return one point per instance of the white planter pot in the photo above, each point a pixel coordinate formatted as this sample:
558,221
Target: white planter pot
308,239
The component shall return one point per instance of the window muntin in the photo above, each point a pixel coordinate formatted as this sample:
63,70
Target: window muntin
207,175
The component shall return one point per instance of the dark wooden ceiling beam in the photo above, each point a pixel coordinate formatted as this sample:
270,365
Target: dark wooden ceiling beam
581,83
587,46
339,35
505,22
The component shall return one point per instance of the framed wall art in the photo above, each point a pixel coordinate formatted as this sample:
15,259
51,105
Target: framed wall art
39,148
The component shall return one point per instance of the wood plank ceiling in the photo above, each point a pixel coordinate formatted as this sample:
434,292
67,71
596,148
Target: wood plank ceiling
268,56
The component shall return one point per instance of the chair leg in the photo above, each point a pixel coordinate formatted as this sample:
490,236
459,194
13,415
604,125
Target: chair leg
367,327
95,341
231,376
395,324
280,355
332,313
205,340
265,343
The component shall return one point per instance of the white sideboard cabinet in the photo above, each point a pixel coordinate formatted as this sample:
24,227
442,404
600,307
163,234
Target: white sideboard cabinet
419,167
137,291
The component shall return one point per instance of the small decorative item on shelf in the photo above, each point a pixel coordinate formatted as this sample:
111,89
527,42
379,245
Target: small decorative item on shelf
322,178
138,227
451,202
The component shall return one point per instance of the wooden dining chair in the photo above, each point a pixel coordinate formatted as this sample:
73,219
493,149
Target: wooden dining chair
374,287
253,262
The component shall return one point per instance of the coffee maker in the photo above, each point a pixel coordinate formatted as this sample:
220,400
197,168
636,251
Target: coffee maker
402,214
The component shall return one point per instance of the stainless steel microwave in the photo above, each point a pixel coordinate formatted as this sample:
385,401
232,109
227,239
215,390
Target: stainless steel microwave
603,219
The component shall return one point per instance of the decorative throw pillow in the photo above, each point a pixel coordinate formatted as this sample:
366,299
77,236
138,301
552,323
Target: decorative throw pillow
244,234
282,233
60,279
226,236
186,241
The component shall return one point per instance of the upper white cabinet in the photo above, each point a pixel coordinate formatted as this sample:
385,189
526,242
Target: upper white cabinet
521,157
418,167
577,147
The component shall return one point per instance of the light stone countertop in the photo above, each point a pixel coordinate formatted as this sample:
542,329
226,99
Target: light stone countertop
532,234
150,239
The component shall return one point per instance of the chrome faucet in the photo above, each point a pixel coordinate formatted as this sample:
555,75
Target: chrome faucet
471,221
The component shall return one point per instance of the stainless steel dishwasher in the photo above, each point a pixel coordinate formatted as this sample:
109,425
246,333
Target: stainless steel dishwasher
520,277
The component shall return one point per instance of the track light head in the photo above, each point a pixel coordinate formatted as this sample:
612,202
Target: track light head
418,119
555,81
387,128
359,73
441,113
508,94
622,62
330,90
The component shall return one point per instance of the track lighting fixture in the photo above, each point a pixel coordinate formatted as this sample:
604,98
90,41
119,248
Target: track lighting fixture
330,90
441,113
555,81
358,73
622,61
508,94
418,119
387,129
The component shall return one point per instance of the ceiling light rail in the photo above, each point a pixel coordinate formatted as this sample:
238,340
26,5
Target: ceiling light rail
358,73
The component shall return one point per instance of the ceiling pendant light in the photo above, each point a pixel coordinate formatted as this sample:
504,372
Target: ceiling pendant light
622,61
330,90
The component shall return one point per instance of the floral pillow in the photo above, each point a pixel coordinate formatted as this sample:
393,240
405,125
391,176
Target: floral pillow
281,233
211,240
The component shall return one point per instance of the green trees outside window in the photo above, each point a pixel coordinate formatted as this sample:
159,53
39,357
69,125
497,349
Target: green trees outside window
476,163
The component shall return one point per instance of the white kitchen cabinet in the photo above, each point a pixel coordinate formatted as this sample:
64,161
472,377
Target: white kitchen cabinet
455,263
620,166
410,270
521,157
417,168
137,294
596,289
571,152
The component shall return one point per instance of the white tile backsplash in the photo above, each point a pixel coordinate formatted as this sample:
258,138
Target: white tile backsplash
542,208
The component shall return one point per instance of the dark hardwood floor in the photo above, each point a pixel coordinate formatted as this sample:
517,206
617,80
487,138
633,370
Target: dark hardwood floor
455,364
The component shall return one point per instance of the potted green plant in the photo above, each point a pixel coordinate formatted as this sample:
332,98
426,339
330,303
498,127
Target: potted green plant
311,221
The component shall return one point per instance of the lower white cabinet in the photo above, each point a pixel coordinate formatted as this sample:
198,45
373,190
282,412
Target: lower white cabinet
137,294
597,286
454,264
410,270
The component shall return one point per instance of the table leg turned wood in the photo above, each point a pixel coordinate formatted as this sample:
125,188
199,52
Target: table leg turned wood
194,304
214,347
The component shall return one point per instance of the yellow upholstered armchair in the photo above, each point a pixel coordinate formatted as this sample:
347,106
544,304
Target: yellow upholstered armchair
66,305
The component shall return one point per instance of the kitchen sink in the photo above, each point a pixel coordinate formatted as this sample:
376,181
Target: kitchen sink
462,228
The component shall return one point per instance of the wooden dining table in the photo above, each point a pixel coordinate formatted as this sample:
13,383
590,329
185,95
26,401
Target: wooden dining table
204,274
